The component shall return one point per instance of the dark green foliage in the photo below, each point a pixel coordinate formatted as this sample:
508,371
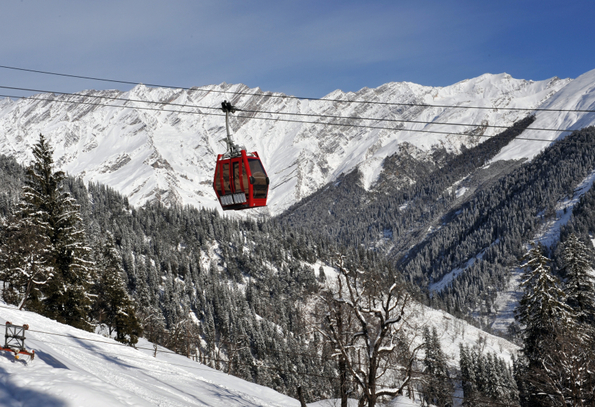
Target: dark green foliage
113,306
25,260
558,359
52,216
437,387
543,308
564,373
353,216
496,222
240,288
185,268
486,379
430,231
399,219
11,185
579,286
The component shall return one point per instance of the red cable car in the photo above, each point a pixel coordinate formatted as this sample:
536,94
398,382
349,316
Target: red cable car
240,180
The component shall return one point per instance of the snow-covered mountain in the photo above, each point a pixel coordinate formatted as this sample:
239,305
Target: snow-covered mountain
571,108
161,144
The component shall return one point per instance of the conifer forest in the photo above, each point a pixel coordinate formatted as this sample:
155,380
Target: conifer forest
319,301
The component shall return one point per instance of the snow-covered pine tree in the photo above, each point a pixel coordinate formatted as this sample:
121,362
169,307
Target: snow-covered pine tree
437,387
65,297
486,380
25,261
113,306
579,286
542,313
543,305
468,380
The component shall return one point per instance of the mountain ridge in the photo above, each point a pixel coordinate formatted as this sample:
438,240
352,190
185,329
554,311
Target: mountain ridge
164,148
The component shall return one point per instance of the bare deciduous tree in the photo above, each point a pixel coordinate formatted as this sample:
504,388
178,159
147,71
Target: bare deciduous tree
366,324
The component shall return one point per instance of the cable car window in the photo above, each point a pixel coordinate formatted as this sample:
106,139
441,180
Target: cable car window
218,180
236,177
245,181
226,184
260,187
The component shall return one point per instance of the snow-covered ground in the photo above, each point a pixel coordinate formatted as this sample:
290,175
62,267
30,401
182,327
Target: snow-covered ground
75,368
78,368
571,108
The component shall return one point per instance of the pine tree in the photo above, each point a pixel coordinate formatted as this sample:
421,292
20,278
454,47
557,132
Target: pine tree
113,306
468,379
543,305
543,314
437,388
65,297
579,286
25,261
486,380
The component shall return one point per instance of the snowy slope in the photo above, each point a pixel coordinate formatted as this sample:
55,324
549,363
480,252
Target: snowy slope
578,94
451,331
161,144
78,368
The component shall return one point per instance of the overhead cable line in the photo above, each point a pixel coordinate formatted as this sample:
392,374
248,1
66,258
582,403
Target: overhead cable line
322,116
283,96
113,98
298,121
46,99
14,68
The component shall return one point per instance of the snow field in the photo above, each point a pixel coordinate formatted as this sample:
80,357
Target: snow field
78,368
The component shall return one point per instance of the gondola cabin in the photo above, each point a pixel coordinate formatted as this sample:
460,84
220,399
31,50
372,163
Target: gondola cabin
240,181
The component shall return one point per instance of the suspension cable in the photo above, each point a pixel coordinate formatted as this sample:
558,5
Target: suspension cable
283,96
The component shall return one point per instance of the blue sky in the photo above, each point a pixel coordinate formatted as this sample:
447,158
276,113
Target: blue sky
303,48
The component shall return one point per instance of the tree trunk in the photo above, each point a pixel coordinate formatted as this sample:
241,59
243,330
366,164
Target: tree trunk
301,397
27,290
343,379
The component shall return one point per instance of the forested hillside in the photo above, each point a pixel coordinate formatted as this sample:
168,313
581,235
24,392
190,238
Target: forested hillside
392,214
255,299
252,298
487,235
460,229
233,294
